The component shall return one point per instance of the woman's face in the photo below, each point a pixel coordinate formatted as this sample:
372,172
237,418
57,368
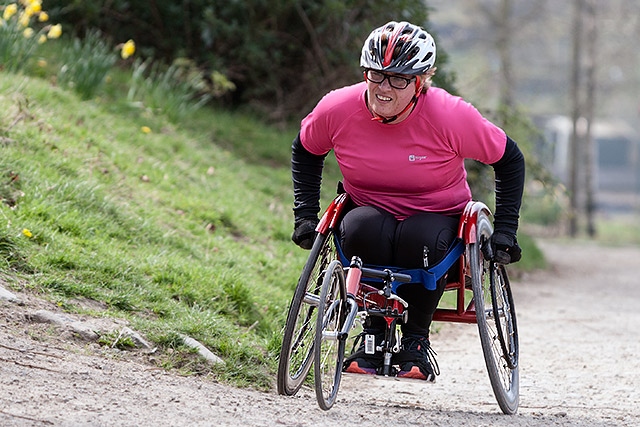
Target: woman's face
384,96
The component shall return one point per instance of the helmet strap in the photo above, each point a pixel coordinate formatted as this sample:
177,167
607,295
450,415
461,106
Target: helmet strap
418,86
386,120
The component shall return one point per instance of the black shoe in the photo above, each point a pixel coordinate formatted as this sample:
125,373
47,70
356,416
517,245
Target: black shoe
417,359
366,360
360,365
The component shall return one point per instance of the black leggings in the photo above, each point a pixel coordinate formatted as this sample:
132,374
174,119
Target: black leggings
421,240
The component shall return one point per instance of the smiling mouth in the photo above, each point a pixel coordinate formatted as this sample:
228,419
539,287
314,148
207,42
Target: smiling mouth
383,98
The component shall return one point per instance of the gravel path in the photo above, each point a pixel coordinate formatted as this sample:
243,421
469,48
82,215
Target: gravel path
579,327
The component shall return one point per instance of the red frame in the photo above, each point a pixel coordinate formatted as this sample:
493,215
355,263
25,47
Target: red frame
332,214
463,312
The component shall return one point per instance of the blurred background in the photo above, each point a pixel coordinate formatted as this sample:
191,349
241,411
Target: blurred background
563,78
562,63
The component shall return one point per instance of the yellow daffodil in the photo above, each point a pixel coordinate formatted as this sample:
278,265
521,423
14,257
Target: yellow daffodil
24,19
145,129
128,49
27,33
42,39
9,11
27,3
27,233
43,17
42,62
55,31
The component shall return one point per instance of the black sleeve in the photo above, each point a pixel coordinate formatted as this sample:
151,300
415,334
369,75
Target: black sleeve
306,172
509,171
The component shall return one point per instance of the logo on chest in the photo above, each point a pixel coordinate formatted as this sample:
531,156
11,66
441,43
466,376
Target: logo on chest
416,158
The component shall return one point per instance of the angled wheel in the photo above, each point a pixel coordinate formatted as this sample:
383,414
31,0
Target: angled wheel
495,314
296,353
329,341
504,314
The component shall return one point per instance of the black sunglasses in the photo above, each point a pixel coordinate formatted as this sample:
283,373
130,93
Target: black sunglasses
396,82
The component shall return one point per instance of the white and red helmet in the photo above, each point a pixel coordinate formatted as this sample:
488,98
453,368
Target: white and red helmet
399,47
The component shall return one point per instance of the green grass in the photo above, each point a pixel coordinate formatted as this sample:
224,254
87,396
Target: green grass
170,229
622,230
532,257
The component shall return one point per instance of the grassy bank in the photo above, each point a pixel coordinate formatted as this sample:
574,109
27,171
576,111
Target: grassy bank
106,201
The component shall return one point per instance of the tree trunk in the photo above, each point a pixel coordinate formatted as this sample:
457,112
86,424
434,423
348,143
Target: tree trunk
574,145
504,51
590,77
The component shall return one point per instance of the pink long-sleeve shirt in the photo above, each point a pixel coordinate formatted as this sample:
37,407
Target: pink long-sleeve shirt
414,166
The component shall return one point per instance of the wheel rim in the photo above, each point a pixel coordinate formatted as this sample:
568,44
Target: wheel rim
504,315
495,322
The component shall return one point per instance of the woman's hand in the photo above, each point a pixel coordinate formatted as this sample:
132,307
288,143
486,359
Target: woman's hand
304,231
504,248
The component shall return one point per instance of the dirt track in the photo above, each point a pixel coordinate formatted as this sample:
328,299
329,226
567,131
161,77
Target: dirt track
579,327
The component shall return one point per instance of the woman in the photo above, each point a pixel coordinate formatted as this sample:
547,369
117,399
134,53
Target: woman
400,144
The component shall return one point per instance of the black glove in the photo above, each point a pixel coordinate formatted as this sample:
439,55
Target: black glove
504,248
304,232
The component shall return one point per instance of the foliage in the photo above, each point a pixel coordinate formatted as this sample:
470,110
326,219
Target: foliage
116,339
281,55
175,91
86,63
22,28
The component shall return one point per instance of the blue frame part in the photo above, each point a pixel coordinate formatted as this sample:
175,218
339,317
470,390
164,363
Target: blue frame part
427,277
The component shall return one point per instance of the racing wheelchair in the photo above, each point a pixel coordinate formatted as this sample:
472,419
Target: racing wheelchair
333,293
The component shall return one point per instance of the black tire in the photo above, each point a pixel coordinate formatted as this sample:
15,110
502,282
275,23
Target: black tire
330,342
296,353
495,314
